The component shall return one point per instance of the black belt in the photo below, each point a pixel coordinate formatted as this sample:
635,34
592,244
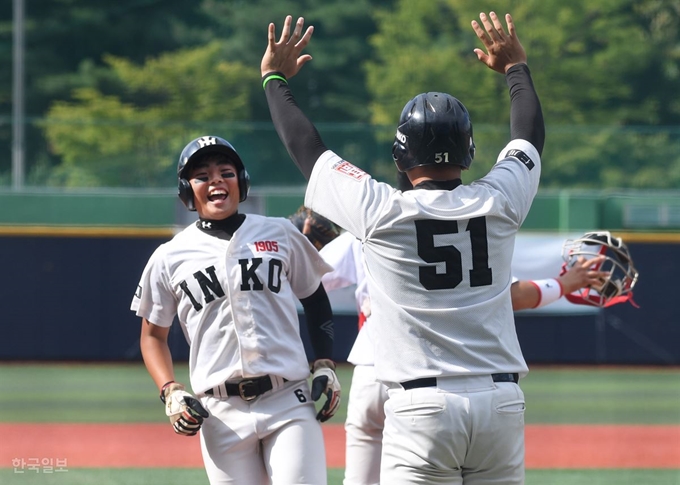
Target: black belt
432,381
248,389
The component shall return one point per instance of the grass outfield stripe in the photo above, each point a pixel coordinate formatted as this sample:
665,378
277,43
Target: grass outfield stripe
145,476
124,393
602,477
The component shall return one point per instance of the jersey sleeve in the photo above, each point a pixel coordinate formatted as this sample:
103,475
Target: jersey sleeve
516,175
339,253
306,264
346,195
154,298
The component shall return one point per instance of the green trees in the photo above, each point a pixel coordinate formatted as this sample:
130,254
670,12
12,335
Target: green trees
65,43
132,138
603,70
114,90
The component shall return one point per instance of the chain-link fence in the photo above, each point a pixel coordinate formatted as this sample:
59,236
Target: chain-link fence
145,155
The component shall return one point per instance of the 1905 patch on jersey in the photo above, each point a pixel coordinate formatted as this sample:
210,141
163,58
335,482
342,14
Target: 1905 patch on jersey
346,168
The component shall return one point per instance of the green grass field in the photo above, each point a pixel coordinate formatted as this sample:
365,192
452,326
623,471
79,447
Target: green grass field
85,392
148,476
122,393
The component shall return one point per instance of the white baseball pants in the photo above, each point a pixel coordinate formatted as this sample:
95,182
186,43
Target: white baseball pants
364,427
467,430
274,439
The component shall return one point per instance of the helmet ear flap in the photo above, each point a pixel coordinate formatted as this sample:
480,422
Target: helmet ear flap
243,184
186,193
400,156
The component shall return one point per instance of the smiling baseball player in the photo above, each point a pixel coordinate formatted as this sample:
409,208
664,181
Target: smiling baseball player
231,280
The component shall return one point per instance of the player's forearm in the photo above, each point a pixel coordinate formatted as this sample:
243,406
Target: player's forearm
535,293
524,295
156,355
159,364
526,116
319,316
295,130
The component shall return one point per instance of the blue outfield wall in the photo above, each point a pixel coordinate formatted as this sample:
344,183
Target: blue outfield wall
67,297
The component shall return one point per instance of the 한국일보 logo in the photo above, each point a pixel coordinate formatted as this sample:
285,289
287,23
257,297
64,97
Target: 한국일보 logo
350,170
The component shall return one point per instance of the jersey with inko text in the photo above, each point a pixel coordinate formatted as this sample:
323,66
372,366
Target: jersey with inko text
234,299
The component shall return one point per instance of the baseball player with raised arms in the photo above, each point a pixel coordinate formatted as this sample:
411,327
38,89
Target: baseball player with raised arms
231,280
438,263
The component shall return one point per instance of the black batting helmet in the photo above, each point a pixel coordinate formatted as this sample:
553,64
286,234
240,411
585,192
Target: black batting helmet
202,146
434,129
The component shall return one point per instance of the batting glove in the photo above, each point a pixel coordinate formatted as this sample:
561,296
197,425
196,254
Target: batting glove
186,413
324,381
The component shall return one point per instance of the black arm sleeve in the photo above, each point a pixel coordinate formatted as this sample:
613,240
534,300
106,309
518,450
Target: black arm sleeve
297,133
319,315
526,117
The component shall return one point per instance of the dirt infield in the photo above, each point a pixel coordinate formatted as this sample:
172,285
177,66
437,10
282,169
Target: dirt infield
155,445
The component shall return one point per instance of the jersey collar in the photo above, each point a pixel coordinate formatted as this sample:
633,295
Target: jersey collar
222,226
439,184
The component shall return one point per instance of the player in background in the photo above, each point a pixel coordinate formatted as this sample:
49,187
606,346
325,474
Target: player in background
529,294
438,254
319,230
367,396
231,280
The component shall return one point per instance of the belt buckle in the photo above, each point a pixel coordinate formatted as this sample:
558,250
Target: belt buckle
242,391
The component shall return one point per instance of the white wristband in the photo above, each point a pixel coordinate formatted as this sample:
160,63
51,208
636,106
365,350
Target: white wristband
550,290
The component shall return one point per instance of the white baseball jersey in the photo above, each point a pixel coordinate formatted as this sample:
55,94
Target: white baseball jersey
235,299
438,263
344,254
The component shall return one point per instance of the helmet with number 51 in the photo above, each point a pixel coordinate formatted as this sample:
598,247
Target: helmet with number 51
434,129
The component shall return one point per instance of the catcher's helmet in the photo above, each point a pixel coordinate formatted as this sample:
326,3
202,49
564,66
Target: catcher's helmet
319,230
617,287
202,146
434,129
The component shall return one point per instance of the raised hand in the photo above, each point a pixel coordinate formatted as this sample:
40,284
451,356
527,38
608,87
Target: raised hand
284,56
503,49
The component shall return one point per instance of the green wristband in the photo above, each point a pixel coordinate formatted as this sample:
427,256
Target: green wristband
273,76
